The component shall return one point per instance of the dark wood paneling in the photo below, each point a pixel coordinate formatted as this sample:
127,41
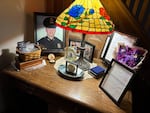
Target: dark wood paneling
57,6
140,10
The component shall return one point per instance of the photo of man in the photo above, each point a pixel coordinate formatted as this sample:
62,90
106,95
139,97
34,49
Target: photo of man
50,41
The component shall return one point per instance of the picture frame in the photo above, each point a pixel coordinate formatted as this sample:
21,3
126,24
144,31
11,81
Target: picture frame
71,68
89,48
116,81
40,32
112,43
70,54
89,51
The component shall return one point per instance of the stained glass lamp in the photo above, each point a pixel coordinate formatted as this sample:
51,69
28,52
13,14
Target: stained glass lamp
87,17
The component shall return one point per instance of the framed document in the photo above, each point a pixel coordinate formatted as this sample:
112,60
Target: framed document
112,43
116,81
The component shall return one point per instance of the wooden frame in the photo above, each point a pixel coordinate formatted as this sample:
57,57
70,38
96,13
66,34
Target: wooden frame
40,32
89,48
116,81
112,44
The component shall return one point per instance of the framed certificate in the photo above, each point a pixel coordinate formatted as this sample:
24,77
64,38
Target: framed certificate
116,81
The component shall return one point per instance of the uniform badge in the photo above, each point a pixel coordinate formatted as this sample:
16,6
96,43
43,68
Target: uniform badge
58,45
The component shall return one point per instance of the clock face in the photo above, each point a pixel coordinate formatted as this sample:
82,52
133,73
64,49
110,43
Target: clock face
51,58
70,54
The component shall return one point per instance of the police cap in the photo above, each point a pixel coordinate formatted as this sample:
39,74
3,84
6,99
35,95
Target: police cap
49,22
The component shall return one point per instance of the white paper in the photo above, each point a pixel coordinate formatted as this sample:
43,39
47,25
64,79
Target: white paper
116,80
105,46
36,66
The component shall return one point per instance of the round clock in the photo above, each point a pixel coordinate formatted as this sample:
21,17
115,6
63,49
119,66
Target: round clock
51,58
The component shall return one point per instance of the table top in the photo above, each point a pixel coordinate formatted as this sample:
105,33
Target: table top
85,92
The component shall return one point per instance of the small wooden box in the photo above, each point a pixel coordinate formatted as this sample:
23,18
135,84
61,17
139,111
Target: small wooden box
27,64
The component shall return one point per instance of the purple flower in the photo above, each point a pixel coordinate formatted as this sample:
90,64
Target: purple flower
129,56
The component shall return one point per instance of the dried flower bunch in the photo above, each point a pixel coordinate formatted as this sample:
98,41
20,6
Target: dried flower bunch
131,56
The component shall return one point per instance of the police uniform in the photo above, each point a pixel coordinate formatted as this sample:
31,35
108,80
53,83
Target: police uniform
50,44
46,42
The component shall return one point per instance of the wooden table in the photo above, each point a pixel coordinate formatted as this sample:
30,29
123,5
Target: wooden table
85,93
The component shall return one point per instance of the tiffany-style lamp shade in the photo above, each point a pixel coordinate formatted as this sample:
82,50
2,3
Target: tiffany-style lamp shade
87,17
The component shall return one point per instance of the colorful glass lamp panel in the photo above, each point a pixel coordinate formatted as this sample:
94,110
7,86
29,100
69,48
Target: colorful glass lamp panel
86,16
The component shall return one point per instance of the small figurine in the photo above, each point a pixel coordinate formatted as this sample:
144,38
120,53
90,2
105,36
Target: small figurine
51,58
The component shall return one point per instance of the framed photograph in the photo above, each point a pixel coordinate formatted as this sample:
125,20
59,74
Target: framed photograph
116,81
71,68
112,44
89,51
107,42
70,54
75,43
89,48
50,37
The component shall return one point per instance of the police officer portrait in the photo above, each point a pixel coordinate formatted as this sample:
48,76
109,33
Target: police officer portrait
47,34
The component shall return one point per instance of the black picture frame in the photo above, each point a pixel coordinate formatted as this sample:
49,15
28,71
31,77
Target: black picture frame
116,81
39,32
71,68
89,51
112,43
89,48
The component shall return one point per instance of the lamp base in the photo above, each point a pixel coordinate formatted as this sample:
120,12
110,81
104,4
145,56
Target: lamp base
83,64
